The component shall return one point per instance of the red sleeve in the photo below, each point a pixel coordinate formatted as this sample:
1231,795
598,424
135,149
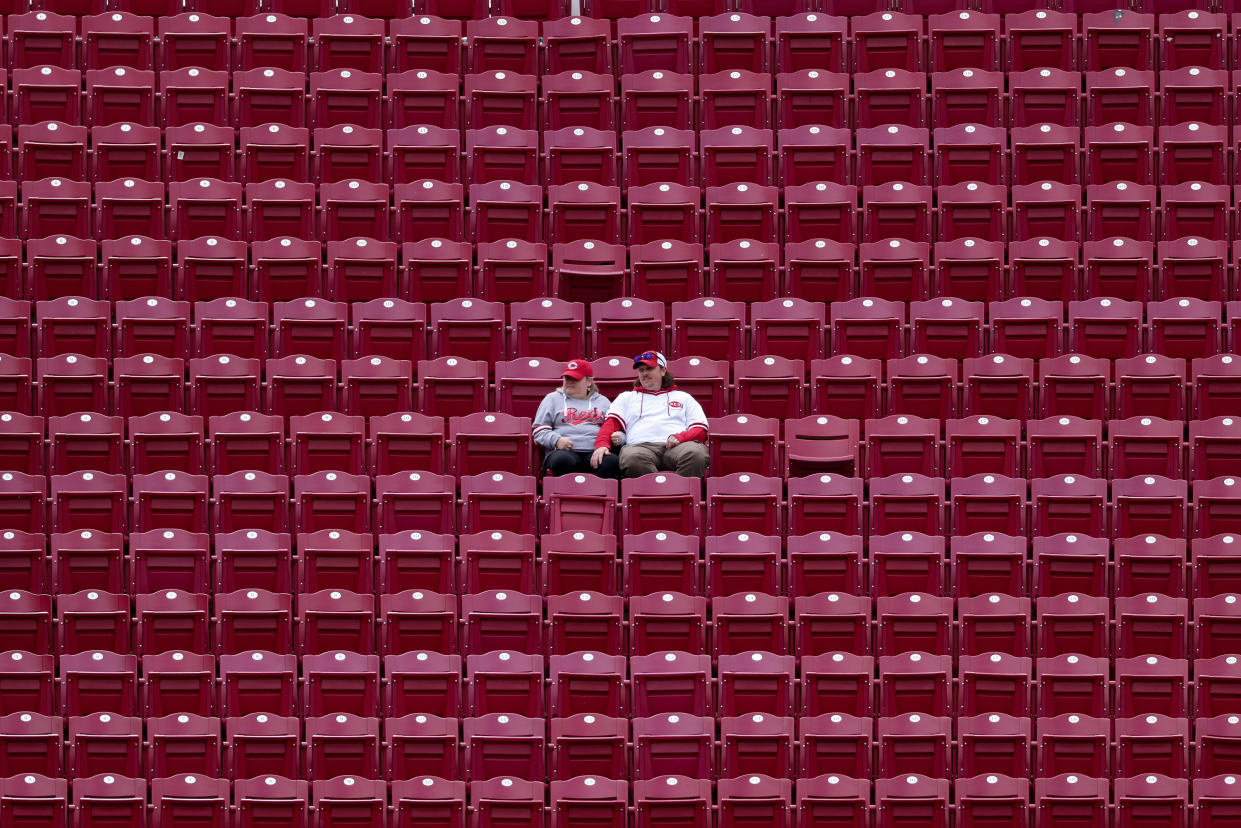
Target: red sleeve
697,434
610,426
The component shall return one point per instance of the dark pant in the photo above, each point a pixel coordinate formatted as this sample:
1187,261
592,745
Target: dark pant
565,461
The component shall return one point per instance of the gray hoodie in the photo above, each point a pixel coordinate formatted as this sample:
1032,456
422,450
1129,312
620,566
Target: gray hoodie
560,415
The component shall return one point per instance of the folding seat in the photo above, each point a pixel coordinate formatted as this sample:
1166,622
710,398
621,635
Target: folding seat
497,619
770,386
745,212
895,270
713,328
336,558
811,98
92,682
103,798
964,39
251,500
423,97
988,502
1150,563
85,442
183,743
105,742
310,326
902,444
332,500
664,211
1119,267
147,384
820,156
205,207
1189,267
1210,389
1070,562
907,562
659,560
734,154
914,744
1145,445
1073,743
666,619
49,149
23,561
673,742
911,502
427,683
1151,385
915,682
248,440
170,500
500,799
123,151
88,500
199,150
667,271
1072,684
451,386
26,621
969,210
47,93
502,559
893,153
73,325
275,40
346,96
259,743
340,682
1192,95
655,42
505,682
505,209
94,620
282,270
995,386
344,799
413,153
1119,151
747,621
504,744
194,95
28,683
347,42
1120,95
335,620
427,41
1073,385
1108,42
1151,623
995,683
211,268
970,153
270,95
622,326
988,562
923,386
53,205
823,444
577,44
120,94
499,153
300,385
837,683
1141,799
888,211
498,97
1192,152
583,211
1105,327
1151,684
911,620
353,208
578,801
1072,796
279,208
834,743
967,96
178,683
61,266
827,212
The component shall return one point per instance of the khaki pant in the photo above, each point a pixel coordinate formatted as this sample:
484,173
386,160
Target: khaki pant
687,459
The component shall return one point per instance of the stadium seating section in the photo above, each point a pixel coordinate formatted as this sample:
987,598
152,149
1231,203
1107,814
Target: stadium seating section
283,283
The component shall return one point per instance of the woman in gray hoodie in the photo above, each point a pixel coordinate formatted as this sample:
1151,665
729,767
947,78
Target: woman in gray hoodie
568,421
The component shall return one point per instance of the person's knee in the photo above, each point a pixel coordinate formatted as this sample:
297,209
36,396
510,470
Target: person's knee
560,462
690,459
636,461
609,467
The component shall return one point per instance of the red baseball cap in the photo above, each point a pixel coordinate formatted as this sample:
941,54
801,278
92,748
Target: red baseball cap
577,369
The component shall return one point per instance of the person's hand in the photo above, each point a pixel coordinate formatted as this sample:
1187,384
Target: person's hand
617,439
564,443
673,442
597,457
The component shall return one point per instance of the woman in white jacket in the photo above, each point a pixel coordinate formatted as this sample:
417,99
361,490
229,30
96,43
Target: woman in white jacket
568,422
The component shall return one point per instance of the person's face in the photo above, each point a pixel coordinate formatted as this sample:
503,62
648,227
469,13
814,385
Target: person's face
650,378
576,387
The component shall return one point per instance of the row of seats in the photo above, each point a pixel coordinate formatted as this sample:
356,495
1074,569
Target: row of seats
722,41
1187,153
1067,623
654,98
676,682
398,748
997,388
598,801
